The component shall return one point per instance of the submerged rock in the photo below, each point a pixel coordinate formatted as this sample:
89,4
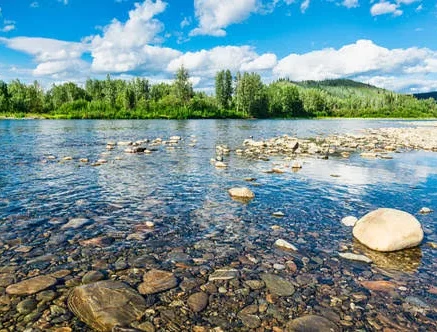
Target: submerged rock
388,230
285,245
156,281
31,286
355,257
198,301
277,285
106,304
75,223
311,323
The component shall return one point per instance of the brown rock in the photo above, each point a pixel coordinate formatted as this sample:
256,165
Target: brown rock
31,286
311,323
156,281
198,301
106,304
379,285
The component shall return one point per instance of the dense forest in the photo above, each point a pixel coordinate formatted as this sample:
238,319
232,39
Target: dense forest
241,96
426,95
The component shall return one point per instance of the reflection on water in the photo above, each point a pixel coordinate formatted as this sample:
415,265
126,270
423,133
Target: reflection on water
408,260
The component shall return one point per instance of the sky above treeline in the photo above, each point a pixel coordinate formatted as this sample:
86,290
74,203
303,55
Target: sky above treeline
387,43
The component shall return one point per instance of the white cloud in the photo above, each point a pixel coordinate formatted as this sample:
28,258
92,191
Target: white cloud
34,4
61,68
129,46
383,8
186,22
234,58
44,49
350,3
8,27
65,2
419,8
264,62
304,6
407,2
362,57
214,16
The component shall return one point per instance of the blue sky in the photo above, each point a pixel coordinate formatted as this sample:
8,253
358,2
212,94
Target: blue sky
389,43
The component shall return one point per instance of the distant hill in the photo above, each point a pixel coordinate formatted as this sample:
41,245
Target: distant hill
426,95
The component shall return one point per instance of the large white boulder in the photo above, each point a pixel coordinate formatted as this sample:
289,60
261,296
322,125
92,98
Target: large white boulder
388,230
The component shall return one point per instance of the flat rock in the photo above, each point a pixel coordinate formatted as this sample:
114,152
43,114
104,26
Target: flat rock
106,304
31,286
277,285
156,281
355,257
198,301
388,230
311,323
76,223
285,245
379,285
224,274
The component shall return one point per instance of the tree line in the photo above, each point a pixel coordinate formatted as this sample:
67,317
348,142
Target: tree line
241,96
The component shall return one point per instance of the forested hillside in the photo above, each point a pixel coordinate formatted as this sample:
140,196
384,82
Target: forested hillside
426,95
243,95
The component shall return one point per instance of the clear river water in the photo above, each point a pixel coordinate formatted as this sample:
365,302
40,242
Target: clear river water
198,228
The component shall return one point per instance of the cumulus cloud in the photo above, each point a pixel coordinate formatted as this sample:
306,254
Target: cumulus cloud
383,8
234,58
45,49
132,45
355,59
350,3
214,16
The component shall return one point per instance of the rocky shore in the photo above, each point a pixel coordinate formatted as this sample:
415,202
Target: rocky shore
374,143
89,272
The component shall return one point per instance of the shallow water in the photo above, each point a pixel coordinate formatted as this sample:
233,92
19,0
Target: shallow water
187,197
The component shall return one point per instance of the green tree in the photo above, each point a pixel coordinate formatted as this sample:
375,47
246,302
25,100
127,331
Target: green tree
182,86
251,95
4,97
284,100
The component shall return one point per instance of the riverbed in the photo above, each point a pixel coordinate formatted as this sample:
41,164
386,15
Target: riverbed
70,204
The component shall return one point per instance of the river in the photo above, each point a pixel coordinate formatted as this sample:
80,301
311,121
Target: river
197,228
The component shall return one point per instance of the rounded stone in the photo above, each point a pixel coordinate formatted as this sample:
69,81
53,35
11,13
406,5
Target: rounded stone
388,230
106,304
242,193
311,323
198,301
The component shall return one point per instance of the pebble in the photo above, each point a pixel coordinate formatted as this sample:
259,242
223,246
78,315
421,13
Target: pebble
198,301
223,274
156,281
425,210
349,221
285,245
355,257
278,285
